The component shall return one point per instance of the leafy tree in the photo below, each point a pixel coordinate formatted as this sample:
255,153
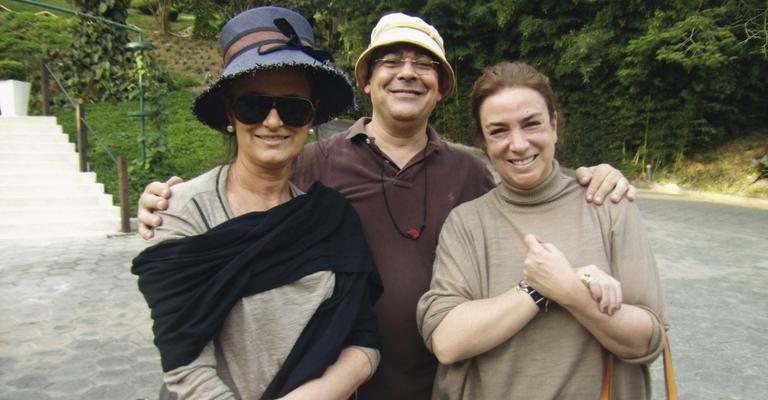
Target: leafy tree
640,81
98,66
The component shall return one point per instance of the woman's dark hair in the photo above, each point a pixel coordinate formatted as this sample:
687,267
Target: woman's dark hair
508,74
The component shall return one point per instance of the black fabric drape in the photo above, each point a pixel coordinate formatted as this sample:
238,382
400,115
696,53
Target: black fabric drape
191,284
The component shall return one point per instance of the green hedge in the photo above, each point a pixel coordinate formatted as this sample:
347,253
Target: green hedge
12,70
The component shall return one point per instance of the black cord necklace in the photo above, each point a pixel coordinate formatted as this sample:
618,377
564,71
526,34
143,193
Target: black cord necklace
412,233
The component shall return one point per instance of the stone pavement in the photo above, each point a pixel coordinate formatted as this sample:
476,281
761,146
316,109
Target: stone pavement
74,326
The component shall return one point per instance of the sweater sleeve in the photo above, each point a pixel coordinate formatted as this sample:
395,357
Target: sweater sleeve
633,264
184,216
455,277
198,380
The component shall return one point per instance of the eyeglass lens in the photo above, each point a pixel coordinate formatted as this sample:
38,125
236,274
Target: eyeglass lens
252,108
420,63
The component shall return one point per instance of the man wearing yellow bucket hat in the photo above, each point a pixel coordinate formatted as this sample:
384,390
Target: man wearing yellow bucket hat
403,180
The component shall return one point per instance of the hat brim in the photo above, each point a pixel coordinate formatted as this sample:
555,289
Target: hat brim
408,36
330,87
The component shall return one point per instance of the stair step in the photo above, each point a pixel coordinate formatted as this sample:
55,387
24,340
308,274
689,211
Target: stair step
39,166
27,157
46,177
38,137
37,147
29,120
38,200
60,189
29,130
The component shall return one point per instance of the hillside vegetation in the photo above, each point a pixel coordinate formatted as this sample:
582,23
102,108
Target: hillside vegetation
727,169
180,145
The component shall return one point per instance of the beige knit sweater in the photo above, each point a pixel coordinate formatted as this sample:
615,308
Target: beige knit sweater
480,255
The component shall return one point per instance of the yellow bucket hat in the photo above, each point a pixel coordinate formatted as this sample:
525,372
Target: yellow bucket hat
400,28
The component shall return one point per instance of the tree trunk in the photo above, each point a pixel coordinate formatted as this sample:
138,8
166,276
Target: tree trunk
163,10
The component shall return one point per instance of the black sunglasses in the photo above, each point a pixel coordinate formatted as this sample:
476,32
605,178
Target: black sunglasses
251,108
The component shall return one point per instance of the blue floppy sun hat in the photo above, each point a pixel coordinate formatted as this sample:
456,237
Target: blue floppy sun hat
273,38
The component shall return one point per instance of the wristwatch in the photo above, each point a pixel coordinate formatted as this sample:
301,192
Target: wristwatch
538,299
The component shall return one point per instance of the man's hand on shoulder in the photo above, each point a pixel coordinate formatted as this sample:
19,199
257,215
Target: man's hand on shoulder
604,180
155,197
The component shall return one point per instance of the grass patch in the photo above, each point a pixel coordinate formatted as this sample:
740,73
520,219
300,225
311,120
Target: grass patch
148,23
16,6
726,169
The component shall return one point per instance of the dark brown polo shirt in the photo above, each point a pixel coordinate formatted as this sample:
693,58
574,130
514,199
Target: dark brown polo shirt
351,163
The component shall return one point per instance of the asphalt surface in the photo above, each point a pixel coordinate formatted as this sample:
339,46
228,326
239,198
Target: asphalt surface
74,326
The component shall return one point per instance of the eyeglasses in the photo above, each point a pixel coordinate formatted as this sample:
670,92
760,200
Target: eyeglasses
421,64
251,108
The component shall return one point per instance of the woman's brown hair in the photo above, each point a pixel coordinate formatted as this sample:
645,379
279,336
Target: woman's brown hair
508,74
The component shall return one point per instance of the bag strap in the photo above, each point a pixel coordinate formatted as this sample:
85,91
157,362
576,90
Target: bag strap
670,382
607,388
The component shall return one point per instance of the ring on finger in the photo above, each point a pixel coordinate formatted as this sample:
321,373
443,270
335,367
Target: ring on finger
586,279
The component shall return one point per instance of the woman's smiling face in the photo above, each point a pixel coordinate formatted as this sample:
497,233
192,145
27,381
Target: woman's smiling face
520,135
271,143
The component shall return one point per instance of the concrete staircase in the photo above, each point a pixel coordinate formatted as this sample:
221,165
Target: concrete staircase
43,196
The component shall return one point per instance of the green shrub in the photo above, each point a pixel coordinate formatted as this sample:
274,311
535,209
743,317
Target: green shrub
760,166
182,82
206,24
12,70
146,7
26,37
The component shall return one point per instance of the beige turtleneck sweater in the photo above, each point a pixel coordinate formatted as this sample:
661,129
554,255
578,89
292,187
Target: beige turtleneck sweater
480,255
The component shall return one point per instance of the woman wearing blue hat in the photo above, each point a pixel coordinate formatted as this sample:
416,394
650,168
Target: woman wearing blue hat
265,291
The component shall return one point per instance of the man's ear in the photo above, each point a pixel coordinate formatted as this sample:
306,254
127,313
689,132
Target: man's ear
367,88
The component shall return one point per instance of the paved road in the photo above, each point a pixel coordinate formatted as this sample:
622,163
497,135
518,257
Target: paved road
73,325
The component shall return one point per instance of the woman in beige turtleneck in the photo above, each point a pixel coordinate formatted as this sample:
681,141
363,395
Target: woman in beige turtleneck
524,300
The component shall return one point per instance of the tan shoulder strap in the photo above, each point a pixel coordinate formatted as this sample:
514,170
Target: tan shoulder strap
670,382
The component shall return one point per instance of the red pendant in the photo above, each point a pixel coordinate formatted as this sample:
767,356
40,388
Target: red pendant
413,233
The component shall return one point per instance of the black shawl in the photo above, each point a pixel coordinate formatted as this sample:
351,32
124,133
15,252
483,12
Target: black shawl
191,284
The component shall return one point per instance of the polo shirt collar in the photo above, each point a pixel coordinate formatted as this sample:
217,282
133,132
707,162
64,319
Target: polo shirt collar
357,130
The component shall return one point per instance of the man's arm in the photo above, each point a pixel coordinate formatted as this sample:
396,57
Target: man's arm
603,180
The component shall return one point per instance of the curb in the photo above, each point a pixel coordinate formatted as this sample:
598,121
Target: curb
673,190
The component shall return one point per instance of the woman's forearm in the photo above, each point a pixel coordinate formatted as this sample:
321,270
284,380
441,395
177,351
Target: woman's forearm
476,326
340,379
626,333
